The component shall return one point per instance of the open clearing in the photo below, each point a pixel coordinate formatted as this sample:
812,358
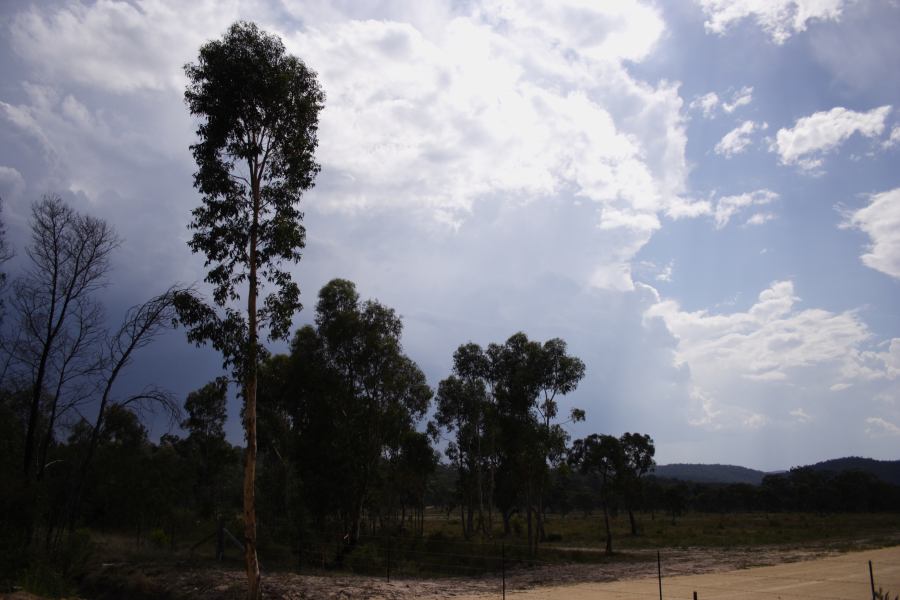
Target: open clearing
833,578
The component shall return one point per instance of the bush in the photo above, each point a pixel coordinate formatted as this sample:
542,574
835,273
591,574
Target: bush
365,558
159,538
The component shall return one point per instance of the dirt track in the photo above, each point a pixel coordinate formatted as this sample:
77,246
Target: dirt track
834,578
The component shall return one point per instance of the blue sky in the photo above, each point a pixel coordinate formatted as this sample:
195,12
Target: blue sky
702,198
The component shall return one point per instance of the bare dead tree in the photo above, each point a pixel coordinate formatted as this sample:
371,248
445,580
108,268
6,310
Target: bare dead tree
6,253
69,255
76,364
142,324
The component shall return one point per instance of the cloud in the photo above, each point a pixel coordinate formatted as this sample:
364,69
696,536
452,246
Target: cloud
11,181
665,274
742,97
893,139
427,112
728,206
778,18
120,47
878,427
800,415
709,103
683,208
812,136
735,358
496,106
737,140
880,220
760,219
706,103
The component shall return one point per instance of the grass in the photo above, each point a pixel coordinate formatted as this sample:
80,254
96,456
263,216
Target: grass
704,530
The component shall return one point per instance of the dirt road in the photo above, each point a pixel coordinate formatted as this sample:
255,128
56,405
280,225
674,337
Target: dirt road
844,577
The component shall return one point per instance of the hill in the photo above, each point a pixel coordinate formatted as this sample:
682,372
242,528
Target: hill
710,473
886,470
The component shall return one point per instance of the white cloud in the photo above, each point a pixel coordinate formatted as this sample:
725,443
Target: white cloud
742,97
735,358
737,140
602,31
683,208
11,181
496,106
709,103
706,103
880,427
812,136
779,18
760,219
665,274
893,139
728,206
880,220
800,415
121,47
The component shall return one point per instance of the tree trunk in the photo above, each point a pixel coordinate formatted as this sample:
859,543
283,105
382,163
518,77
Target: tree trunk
541,535
634,530
34,409
462,519
252,562
480,483
531,545
608,531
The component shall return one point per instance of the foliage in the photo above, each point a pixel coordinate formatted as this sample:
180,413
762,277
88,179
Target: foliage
342,408
501,406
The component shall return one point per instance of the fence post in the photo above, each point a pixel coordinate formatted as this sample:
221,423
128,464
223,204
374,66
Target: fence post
220,539
872,579
503,567
659,573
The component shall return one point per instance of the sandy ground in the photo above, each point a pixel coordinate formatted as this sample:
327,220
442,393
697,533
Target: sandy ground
833,578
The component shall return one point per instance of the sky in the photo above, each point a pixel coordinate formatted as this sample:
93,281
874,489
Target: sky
701,198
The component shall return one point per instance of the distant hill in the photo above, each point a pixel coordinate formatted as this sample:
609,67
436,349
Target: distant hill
886,470
710,473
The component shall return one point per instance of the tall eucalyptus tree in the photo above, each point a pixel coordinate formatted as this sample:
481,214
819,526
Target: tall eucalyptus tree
258,110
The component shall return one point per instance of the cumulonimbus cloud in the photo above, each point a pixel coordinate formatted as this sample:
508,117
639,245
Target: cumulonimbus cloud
432,115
